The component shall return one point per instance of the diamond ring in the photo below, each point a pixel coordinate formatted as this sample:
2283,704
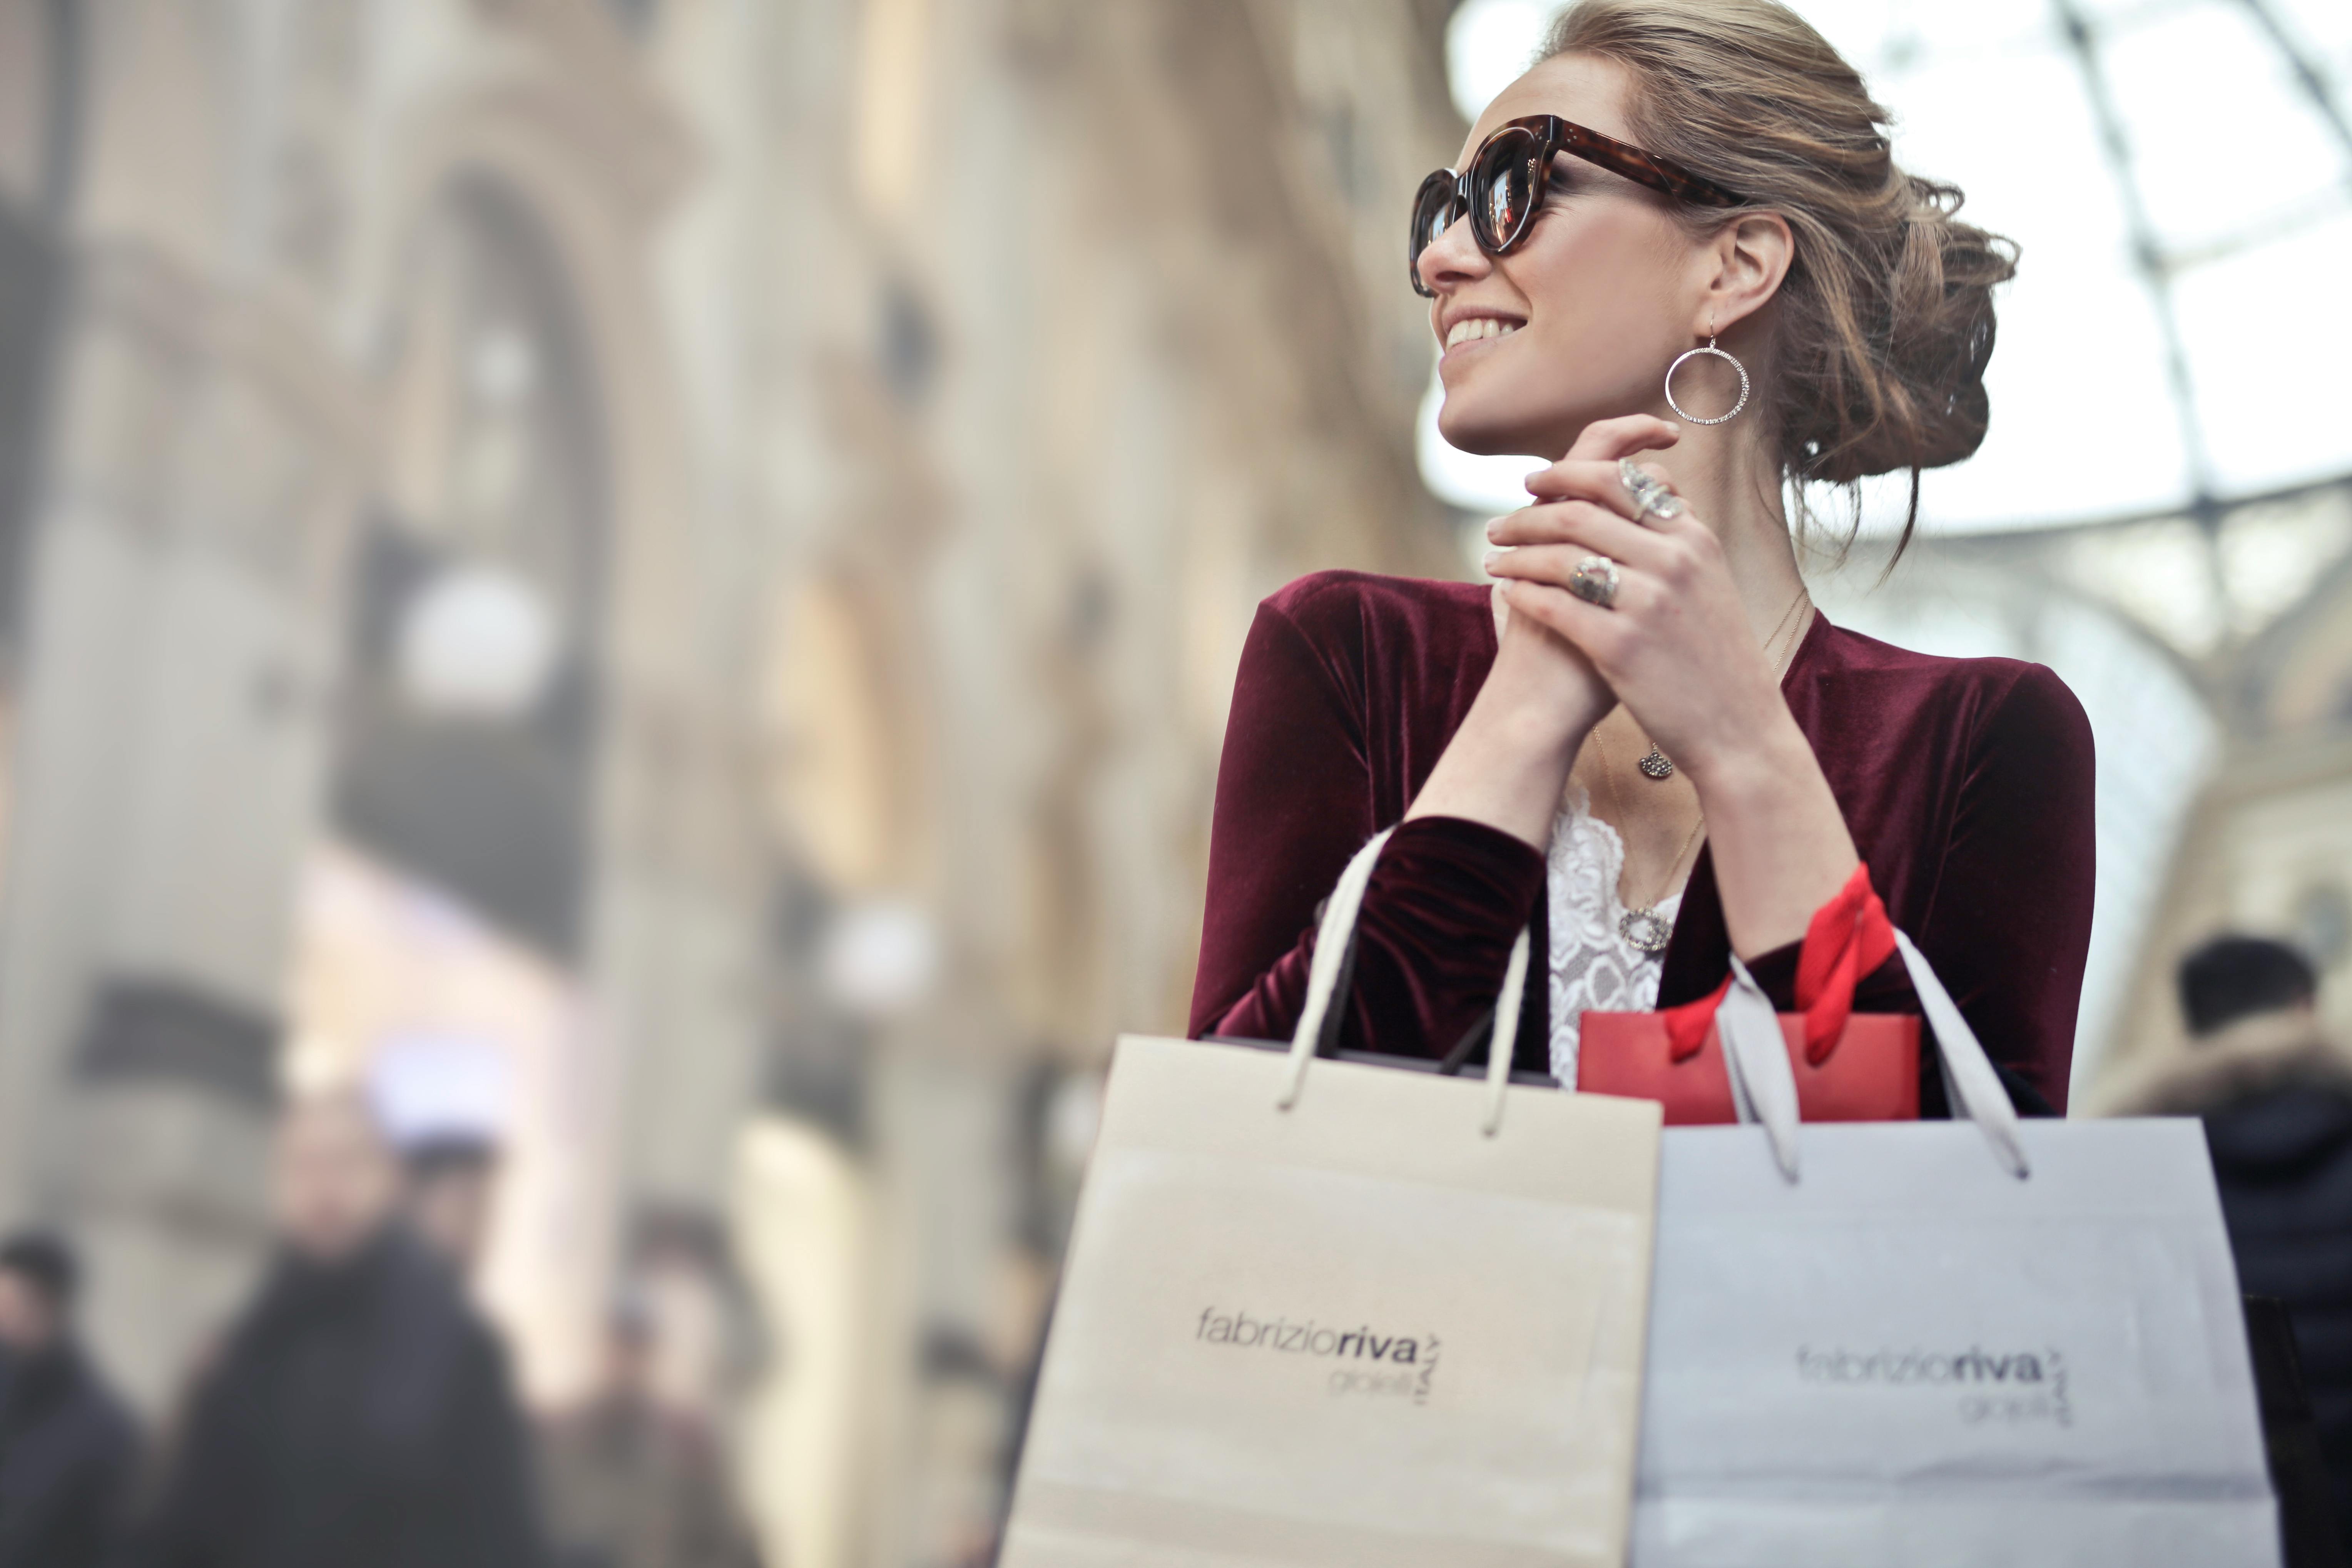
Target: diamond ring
1650,496
1594,581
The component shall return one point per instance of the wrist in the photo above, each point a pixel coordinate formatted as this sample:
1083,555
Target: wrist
1529,702
1751,770
1749,744
1532,722
1504,766
1781,843
1756,760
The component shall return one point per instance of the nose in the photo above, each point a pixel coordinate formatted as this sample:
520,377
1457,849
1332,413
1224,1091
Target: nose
1453,258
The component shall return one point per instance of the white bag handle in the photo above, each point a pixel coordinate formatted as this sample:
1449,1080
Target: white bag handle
1764,1086
1332,940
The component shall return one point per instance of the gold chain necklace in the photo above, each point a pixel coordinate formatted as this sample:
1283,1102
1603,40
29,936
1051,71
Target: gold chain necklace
1641,925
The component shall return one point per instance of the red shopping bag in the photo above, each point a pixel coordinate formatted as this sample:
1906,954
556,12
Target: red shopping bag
1850,1066
1872,1073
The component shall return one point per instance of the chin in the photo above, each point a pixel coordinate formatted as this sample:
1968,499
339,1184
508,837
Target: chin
1492,423
1491,416
1493,438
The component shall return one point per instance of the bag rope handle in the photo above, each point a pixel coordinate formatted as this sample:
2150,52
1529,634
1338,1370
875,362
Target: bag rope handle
1331,939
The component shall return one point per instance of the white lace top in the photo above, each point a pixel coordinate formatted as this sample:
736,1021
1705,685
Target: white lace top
1593,967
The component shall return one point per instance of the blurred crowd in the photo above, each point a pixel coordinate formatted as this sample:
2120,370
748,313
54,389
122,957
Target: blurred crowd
359,1410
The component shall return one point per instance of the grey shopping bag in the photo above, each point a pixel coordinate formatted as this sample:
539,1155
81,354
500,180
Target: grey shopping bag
1930,1343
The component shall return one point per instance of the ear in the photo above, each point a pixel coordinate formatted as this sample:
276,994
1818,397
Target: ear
1748,257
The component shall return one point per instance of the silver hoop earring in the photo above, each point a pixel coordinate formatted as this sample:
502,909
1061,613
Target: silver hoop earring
1694,354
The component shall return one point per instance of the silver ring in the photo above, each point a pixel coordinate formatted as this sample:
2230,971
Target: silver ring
1650,498
1594,581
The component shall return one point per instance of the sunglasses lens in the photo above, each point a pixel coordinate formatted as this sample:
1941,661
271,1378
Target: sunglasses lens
1432,213
1504,188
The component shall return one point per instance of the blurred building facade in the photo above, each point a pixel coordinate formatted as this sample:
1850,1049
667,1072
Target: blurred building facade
698,547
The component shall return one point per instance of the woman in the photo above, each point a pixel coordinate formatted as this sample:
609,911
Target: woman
1648,741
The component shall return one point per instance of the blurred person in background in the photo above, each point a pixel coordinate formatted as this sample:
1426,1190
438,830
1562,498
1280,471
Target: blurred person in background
359,1414
2275,1093
449,1182
632,1482
68,1449
442,1100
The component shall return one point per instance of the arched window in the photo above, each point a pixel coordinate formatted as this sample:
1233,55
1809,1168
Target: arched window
469,723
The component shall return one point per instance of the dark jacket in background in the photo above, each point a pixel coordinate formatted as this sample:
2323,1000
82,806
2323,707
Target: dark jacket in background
361,1417
68,1453
2277,1100
629,1485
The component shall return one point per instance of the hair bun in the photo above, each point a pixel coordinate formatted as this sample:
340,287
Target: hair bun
1921,402
1884,322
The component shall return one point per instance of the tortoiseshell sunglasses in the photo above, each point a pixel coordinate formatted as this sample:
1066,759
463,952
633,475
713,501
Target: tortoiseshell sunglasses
1503,189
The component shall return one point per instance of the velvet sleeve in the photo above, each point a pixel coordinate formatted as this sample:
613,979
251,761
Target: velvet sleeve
1295,802
2008,926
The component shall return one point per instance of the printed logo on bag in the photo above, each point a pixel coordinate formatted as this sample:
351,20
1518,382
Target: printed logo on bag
2011,1389
1364,1361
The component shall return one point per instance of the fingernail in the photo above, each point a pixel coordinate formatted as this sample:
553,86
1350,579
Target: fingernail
1530,482
1493,556
1495,528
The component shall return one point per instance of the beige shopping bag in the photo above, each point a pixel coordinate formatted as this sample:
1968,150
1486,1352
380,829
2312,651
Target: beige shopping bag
1316,1312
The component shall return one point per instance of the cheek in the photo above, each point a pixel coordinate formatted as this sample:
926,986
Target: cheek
1597,317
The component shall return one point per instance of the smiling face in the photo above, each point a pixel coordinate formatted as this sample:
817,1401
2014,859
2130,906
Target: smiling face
1580,322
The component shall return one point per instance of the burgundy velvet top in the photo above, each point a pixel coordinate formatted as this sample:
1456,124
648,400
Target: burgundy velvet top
1965,782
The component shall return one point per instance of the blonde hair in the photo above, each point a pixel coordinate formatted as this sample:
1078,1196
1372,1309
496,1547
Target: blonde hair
1886,319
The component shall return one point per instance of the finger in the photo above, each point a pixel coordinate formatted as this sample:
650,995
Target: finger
1599,483
1556,566
1673,519
1590,470
1594,630
1548,565
1587,526
1606,440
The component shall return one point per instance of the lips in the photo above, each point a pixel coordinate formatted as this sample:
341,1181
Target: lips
1475,328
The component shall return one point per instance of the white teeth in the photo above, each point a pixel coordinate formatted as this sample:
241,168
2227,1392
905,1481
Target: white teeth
1472,328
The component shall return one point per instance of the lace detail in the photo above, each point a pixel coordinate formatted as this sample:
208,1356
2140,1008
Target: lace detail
1593,967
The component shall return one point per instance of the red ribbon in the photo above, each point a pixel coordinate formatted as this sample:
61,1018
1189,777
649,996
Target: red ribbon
1847,937
1687,1024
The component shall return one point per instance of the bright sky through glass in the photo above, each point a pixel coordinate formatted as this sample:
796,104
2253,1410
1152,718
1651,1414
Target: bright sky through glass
2248,189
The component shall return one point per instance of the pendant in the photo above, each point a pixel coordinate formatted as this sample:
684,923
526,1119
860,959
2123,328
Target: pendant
1656,765
1644,930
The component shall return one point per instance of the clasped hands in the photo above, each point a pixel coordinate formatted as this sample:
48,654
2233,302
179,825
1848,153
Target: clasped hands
1675,644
